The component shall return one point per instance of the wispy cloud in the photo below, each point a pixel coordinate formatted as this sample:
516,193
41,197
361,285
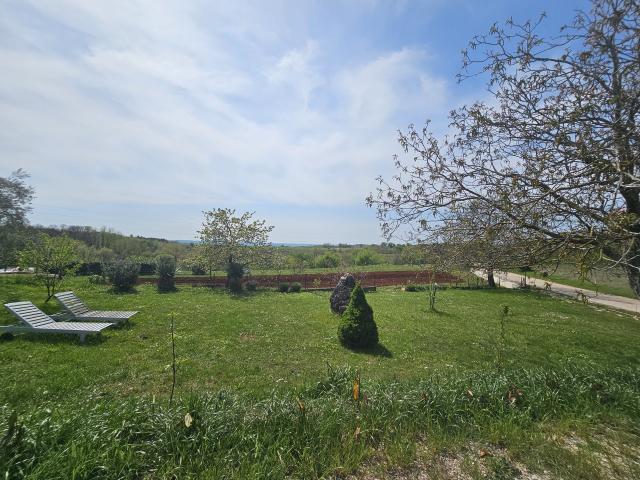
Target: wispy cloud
188,103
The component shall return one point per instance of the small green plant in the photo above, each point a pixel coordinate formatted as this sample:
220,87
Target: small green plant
502,343
53,258
283,287
295,287
96,280
415,288
316,283
123,275
251,286
433,289
357,327
166,270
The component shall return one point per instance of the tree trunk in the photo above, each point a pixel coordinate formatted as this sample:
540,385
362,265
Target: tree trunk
490,280
633,268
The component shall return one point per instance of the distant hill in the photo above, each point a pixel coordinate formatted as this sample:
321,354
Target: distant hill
277,244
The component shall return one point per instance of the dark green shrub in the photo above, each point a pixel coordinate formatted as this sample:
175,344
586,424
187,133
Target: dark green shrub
123,275
295,287
252,286
357,328
235,272
283,287
89,268
166,270
195,270
147,268
414,288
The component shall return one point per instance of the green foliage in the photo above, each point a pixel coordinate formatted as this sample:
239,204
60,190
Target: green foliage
298,261
52,258
123,275
283,287
197,270
295,287
357,328
310,433
366,257
227,238
166,270
15,203
415,288
328,260
251,286
235,272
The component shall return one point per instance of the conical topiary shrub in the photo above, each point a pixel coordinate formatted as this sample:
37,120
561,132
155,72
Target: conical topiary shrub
357,328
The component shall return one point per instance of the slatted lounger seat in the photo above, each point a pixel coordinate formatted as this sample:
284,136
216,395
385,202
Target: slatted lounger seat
35,320
78,310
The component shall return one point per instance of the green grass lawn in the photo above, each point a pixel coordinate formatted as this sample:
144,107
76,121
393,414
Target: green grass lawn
612,281
275,348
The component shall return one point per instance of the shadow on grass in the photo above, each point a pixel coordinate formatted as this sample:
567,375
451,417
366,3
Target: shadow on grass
378,350
55,339
438,313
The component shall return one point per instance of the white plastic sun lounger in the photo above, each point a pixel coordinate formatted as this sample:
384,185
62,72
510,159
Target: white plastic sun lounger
78,310
35,320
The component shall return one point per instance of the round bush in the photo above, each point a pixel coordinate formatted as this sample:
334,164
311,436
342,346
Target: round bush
252,286
283,287
123,275
295,287
357,328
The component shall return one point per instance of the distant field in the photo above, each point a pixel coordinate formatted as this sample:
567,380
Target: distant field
386,267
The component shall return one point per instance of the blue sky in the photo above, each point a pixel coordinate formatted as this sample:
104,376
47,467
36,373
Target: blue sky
138,115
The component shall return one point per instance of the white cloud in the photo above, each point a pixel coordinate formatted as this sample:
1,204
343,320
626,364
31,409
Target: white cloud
185,103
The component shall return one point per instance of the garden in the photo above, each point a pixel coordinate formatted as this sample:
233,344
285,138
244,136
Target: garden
265,389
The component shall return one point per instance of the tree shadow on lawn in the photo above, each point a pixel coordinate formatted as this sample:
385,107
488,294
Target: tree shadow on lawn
378,350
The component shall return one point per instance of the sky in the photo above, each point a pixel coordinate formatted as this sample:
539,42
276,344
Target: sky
139,115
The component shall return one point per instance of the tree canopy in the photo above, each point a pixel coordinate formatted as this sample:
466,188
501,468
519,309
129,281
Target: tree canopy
555,150
229,238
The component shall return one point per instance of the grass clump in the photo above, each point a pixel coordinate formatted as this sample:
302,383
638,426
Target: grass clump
315,432
357,328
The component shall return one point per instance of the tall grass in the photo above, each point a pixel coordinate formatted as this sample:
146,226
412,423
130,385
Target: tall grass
310,432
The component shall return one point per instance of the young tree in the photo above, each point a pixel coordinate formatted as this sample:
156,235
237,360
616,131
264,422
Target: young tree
357,328
556,151
15,203
486,239
228,239
52,258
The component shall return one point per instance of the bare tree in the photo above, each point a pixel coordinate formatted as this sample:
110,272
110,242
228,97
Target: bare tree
556,152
